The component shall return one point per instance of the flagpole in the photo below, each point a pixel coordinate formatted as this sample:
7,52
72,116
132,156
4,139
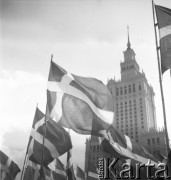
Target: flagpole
24,164
44,133
25,159
160,80
89,152
67,158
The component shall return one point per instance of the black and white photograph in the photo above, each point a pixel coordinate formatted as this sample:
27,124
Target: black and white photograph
85,89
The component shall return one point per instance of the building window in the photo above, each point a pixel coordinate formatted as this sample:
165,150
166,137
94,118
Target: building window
117,92
153,141
133,87
121,92
125,90
129,88
139,87
158,141
148,141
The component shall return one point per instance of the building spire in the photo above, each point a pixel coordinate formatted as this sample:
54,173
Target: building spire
128,44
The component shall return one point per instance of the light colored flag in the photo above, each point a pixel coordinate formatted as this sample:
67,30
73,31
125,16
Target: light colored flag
56,141
8,168
82,104
80,175
69,167
164,24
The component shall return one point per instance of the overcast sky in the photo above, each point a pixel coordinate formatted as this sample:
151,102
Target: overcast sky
87,38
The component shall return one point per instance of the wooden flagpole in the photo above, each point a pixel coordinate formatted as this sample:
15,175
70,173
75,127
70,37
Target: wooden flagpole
89,157
25,159
160,80
67,159
44,134
24,164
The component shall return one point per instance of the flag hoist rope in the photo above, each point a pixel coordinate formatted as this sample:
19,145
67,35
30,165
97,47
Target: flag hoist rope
160,80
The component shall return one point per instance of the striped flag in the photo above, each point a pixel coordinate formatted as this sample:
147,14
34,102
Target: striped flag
80,174
126,148
8,168
164,24
32,171
92,173
56,142
69,167
58,169
82,104
46,174
54,171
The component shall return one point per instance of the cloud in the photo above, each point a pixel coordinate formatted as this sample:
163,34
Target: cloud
20,92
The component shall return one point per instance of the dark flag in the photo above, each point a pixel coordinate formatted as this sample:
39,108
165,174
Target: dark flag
92,172
164,24
82,104
128,151
46,173
69,167
126,148
56,141
32,171
58,170
80,174
8,168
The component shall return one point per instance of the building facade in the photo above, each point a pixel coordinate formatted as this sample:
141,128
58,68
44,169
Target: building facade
134,107
154,141
133,98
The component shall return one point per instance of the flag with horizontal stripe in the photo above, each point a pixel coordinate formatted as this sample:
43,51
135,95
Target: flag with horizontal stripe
92,172
69,167
32,171
164,24
8,168
79,103
58,169
56,140
80,174
126,148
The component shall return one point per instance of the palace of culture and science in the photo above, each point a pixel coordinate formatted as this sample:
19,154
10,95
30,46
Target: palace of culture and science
134,107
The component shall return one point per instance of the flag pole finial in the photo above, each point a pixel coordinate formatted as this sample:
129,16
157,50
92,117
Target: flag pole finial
128,44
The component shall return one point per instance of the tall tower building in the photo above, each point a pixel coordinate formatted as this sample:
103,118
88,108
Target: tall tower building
134,107
133,98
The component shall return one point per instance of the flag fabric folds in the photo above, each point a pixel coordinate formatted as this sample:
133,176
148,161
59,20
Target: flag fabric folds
82,104
46,173
8,168
69,167
56,141
164,24
126,148
58,169
92,173
80,174
32,171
